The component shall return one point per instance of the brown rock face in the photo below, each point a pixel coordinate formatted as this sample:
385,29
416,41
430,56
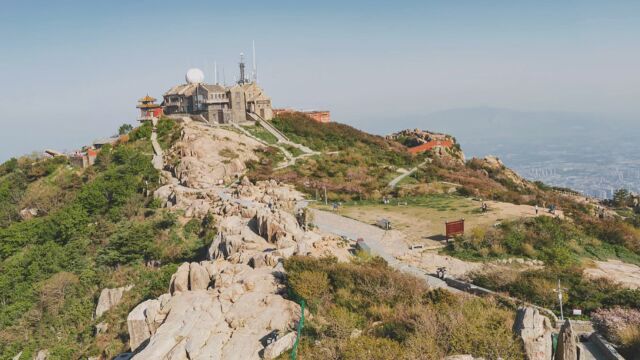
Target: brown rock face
535,331
566,343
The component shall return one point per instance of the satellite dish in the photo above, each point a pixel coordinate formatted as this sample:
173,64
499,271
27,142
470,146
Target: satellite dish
194,76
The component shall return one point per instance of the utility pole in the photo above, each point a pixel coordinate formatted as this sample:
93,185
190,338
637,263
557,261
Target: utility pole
559,291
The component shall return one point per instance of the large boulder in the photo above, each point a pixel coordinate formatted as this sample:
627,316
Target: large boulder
180,280
198,277
277,225
279,346
567,343
535,331
137,323
110,298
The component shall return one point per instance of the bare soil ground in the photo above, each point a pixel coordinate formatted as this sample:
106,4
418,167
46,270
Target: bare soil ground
615,270
423,223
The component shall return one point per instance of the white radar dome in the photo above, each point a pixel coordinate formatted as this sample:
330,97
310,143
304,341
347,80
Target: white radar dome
194,76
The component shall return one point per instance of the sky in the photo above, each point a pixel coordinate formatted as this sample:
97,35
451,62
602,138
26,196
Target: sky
71,71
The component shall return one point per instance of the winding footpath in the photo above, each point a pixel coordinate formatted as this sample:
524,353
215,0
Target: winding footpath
394,182
158,153
281,139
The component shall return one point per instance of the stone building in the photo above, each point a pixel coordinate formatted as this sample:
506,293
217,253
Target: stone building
217,104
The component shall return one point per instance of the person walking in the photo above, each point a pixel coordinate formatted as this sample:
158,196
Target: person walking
536,209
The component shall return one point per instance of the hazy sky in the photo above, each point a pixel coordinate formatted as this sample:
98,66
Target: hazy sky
71,71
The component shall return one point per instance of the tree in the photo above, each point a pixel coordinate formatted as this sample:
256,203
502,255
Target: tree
125,129
621,197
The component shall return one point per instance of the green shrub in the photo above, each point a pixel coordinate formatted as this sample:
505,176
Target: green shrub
372,348
396,315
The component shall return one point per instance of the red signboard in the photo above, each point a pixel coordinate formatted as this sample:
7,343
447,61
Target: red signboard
454,228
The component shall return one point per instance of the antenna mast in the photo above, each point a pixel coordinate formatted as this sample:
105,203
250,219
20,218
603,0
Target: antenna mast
255,67
242,79
215,71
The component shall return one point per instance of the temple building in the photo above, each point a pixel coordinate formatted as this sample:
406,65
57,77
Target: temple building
148,108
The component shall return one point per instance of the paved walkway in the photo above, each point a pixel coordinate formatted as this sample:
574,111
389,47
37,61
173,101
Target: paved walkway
281,139
158,153
374,238
399,178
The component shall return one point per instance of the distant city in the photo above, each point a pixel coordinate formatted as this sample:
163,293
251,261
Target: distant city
595,168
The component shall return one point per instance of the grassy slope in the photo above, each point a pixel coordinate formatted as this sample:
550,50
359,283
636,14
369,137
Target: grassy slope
99,234
357,164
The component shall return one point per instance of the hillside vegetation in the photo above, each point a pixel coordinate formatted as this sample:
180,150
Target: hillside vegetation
366,311
354,165
95,228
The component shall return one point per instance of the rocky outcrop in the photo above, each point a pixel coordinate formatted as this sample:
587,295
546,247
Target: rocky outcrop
535,331
494,168
110,298
566,343
441,145
277,226
228,320
279,346
209,155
